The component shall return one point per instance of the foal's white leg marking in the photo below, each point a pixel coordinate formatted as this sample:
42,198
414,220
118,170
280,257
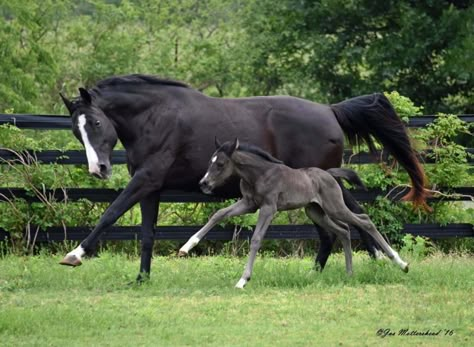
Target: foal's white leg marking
91,154
396,259
78,252
241,284
192,242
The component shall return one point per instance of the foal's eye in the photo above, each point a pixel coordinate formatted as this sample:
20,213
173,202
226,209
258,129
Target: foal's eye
97,123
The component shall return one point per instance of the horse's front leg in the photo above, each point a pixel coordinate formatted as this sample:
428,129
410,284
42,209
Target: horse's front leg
149,207
239,208
141,185
264,219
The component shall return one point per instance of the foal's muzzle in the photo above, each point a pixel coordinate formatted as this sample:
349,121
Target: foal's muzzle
205,187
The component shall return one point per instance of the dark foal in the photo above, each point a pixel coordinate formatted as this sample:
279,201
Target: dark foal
270,186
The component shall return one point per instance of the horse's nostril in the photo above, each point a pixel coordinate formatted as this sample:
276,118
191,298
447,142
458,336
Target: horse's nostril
103,168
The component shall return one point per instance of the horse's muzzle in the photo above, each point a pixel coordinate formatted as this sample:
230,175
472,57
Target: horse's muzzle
104,172
205,187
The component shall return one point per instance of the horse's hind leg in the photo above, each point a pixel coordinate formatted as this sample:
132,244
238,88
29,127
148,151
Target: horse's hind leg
363,221
317,215
372,247
326,241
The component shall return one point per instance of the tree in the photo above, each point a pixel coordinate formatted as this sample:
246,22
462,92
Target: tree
423,49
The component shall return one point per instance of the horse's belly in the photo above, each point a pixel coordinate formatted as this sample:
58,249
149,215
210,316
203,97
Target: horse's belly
296,195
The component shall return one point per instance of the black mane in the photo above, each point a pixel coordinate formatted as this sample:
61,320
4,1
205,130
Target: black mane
249,148
138,79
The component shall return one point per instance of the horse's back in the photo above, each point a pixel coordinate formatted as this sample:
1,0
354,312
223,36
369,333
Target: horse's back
299,132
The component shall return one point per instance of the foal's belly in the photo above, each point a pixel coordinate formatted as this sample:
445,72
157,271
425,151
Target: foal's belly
297,193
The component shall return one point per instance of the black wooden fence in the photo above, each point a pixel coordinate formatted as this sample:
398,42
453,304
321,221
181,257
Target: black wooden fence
184,232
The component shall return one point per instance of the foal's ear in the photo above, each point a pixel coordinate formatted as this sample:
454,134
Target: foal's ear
85,95
217,143
235,146
67,102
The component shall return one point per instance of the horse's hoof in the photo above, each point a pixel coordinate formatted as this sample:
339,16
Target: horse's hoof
71,260
406,268
182,253
138,282
241,284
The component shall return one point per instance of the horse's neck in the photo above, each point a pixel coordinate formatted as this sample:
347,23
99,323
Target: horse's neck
250,167
125,114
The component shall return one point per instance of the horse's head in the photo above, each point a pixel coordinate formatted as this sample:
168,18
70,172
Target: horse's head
95,131
220,166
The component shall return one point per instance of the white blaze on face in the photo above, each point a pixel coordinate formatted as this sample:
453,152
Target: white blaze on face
214,158
91,154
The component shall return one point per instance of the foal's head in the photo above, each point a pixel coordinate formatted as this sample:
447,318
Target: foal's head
220,166
95,131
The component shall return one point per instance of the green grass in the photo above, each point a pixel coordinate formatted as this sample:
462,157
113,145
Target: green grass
192,302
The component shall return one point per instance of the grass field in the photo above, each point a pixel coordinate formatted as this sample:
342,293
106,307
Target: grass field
192,302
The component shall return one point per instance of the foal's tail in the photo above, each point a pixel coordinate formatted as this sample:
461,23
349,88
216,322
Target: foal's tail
349,175
373,115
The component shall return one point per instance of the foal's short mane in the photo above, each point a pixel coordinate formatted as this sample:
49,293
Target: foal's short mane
249,148
138,79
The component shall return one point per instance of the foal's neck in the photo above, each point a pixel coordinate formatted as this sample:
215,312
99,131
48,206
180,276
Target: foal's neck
249,166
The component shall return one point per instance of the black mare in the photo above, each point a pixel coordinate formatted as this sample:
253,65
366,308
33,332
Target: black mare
168,131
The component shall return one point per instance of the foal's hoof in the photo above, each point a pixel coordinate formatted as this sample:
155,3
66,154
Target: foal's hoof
71,260
182,253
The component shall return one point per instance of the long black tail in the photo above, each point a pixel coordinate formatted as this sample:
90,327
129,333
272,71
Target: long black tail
373,115
349,175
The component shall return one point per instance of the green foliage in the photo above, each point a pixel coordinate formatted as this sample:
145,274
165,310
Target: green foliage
451,168
417,247
404,107
348,48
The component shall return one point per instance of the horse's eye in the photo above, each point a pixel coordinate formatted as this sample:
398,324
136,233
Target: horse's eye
97,123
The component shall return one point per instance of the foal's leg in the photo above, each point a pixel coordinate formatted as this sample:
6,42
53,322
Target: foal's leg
364,221
149,208
240,207
372,247
337,209
326,239
264,219
317,215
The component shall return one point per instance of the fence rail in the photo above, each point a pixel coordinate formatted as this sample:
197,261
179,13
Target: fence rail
176,196
76,157
183,233
29,121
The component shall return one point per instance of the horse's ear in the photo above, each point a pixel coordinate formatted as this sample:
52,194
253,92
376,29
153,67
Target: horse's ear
85,95
67,102
217,143
235,145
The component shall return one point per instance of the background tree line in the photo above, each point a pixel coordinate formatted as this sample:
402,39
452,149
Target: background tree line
325,50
